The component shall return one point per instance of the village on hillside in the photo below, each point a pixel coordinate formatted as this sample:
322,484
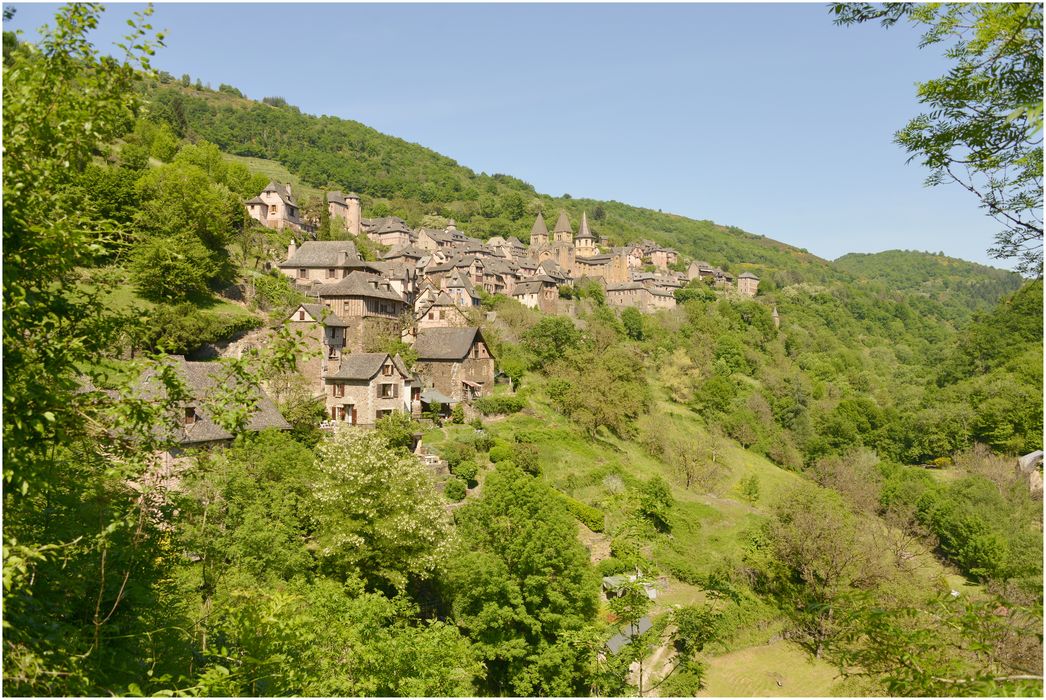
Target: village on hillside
425,291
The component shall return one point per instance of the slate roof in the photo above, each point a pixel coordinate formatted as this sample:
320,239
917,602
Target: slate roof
432,395
282,191
256,200
323,254
202,379
539,228
563,224
627,634
527,287
338,198
583,232
623,286
747,276
363,366
359,284
322,314
460,280
445,343
594,259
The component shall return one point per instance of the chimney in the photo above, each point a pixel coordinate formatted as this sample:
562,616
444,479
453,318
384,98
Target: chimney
292,248
343,258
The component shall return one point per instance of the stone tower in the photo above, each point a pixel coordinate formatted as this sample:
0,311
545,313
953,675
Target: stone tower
539,232
585,241
563,233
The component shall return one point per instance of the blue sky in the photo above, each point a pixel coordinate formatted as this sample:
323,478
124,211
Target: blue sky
762,116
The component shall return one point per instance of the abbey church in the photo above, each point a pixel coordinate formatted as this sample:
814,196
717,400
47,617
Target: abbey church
578,256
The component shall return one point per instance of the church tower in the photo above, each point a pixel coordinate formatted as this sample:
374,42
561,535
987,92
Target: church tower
563,233
585,241
538,232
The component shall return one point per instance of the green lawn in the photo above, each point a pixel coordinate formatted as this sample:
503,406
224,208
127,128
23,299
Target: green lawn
276,171
780,669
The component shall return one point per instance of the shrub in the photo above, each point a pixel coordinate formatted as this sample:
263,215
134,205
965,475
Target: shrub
500,453
525,455
457,414
181,329
611,566
457,452
455,489
592,517
481,440
497,405
466,470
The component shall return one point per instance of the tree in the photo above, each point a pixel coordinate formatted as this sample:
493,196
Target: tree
655,503
984,127
523,589
633,322
551,338
379,514
173,269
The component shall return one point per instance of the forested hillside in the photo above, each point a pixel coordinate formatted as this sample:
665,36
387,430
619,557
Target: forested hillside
825,503
963,287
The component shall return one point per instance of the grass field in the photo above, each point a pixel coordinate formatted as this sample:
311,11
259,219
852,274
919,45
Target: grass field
275,171
779,669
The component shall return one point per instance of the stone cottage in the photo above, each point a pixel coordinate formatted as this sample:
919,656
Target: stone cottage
276,208
457,362
366,387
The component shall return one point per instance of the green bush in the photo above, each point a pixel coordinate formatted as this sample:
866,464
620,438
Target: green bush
182,329
525,455
457,452
500,453
275,292
455,489
481,440
592,517
611,566
457,414
498,405
466,470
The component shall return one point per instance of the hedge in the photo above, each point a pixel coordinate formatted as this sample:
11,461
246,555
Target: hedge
592,517
492,405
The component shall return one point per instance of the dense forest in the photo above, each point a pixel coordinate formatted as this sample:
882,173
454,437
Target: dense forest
837,493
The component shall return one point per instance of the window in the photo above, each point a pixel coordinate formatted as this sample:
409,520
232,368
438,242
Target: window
301,314
332,354
272,210
190,415
442,315
387,391
387,370
303,273
339,390
432,315
331,273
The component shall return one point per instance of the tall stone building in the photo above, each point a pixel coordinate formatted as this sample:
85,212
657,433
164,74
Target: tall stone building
345,208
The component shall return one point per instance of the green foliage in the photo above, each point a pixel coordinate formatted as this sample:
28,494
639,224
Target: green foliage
457,414
378,513
467,470
592,518
524,590
500,453
500,404
550,339
275,291
398,429
455,489
525,456
173,269
601,389
633,322
655,503
749,487
457,452
182,328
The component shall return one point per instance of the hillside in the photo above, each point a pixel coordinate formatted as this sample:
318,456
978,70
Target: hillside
408,180
964,287
813,481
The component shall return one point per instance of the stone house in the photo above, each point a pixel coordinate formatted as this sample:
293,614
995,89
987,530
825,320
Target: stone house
276,208
540,292
441,312
461,290
323,262
346,209
365,387
368,305
455,361
192,423
644,298
323,339
747,284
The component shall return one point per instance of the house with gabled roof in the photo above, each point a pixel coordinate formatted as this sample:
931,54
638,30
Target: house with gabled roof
457,362
461,289
276,208
345,208
441,312
747,284
539,292
323,262
367,303
366,386
322,333
192,422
